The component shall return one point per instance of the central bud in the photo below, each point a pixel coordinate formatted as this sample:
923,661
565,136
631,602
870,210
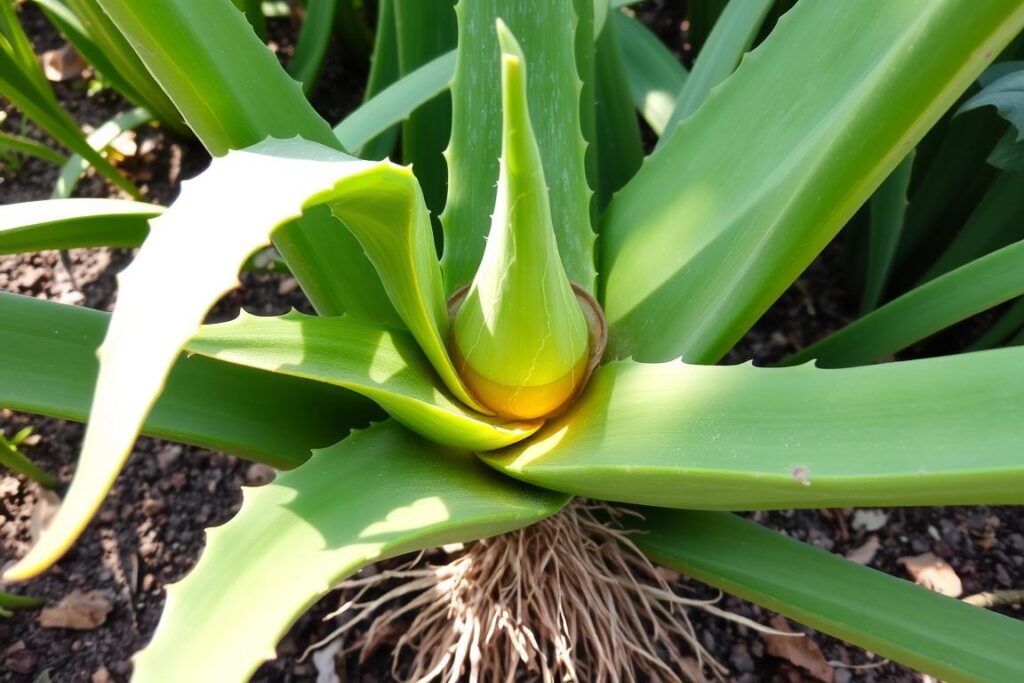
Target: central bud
521,337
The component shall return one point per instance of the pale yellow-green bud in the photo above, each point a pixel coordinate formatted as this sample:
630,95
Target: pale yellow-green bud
520,338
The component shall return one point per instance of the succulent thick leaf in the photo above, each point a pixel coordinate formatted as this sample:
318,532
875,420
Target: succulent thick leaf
927,432
888,616
620,147
1010,321
723,218
383,365
548,40
379,493
73,223
50,368
29,147
887,211
99,140
219,219
395,103
253,10
90,30
934,306
655,75
383,72
731,37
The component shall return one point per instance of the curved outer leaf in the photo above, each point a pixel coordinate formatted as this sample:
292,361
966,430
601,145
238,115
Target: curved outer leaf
29,147
935,305
655,75
721,220
731,37
234,94
888,206
251,192
928,432
73,223
383,365
50,368
888,616
1006,94
395,103
377,494
548,40
383,72
99,140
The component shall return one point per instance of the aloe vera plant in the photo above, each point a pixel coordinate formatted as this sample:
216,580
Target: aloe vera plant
553,350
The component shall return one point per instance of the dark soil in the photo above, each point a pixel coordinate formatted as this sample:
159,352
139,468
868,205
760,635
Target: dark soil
149,531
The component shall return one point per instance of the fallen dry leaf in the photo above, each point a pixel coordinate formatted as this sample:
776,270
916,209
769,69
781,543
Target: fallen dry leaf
45,508
800,652
933,573
62,64
79,610
869,520
866,552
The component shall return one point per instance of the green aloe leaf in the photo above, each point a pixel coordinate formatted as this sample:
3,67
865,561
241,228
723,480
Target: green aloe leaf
927,432
73,223
655,75
50,368
237,102
1010,321
254,192
395,103
379,493
383,72
548,40
752,186
888,208
934,306
888,616
29,147
731,37
1006,94
313,41
100,139
253,10
385,366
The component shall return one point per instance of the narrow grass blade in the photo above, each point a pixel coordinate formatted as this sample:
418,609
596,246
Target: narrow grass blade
731,37
10,602
548,40
50,368
886,615
73,223
887,209
723,218
314,38
395,103
995,223
100,139
16,461
385,366
377,494
94,35
655,75
254,192
29,147
929,432
934,306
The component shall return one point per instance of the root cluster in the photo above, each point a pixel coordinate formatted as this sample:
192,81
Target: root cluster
568,599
